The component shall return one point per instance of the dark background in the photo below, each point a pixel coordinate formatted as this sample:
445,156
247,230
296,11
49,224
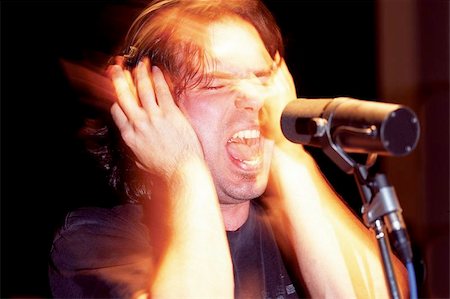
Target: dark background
333,49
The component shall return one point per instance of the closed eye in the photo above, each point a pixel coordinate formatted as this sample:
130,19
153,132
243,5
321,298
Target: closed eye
217,84
215,87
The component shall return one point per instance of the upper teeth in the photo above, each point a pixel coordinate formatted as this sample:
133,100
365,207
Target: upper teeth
247,134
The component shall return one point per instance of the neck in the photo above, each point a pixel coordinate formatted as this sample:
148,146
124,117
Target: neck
235,215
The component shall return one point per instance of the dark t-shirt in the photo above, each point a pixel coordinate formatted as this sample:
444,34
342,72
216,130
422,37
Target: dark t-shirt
107,253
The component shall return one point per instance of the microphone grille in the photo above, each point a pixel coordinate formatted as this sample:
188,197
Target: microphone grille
405,121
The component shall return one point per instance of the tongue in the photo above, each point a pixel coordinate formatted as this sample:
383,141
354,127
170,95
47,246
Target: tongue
243,152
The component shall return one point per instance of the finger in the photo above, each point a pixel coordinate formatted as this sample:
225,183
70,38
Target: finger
130,81
277,57
283,82
162,90
125,96
118,60
145,87
119,117
287,74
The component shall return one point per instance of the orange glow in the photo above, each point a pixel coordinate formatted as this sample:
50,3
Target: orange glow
91,83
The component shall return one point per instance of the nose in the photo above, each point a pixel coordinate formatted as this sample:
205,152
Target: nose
249,103
250,97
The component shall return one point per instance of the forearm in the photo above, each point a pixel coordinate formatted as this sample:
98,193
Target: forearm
190,249
194,259
337,255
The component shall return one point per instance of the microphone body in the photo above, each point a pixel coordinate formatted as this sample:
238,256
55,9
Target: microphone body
355,125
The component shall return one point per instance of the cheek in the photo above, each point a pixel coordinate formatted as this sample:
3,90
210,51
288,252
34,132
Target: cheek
205,120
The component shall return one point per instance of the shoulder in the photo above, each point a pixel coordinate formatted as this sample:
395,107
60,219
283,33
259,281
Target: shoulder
106,232
125,218
99,248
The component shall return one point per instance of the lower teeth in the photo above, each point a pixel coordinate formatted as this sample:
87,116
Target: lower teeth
251,162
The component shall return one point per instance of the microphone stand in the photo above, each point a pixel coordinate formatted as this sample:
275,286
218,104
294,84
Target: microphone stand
380,205
377,205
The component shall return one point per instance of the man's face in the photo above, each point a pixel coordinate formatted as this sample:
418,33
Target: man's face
225,114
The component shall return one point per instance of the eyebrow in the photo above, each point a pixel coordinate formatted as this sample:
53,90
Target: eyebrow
229,76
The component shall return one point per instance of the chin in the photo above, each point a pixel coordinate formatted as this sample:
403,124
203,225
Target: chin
243,191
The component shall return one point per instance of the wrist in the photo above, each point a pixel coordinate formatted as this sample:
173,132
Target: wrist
289,152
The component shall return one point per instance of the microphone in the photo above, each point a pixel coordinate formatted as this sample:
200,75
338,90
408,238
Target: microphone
357,126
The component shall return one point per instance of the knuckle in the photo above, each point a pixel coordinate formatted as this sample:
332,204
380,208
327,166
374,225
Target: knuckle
141,124
128,136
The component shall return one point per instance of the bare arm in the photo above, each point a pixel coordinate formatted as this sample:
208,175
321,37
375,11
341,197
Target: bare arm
337,255
191,252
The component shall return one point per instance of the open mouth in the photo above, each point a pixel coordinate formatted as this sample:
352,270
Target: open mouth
245,147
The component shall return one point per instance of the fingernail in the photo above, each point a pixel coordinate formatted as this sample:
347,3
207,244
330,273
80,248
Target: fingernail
146,60
140,65
115,69
156,69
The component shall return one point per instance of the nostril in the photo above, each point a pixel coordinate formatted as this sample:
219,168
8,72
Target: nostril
250,104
